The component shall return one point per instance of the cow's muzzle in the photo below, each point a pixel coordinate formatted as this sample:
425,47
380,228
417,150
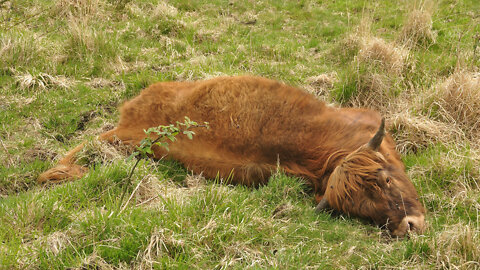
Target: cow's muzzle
413,223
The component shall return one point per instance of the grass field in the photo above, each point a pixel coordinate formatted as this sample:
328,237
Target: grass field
66,65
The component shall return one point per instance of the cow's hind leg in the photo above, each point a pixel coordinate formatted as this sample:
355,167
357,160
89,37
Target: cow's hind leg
67,169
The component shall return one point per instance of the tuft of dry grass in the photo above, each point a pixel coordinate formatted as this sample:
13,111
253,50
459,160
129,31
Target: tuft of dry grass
81,34
417,29
79,8
56,242
19,49
152,192
88,43
98,83
457,247
361,32
39,152
239,252
120,66
322,83
458,99
149,190
414,132
374,90
195,181
163,242
378,69
27,81
15,100
375,51
101,152
164,9
95,261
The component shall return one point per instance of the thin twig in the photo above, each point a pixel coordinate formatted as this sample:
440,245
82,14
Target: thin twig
128,179
131,196
127,183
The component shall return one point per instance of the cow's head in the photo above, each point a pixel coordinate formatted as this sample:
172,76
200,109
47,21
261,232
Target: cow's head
366,185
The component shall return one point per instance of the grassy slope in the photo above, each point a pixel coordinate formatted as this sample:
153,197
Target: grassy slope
65,66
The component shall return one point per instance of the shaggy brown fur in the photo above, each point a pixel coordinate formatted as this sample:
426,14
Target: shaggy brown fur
255,124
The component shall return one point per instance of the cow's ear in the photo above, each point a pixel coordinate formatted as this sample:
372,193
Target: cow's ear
322,206
377,139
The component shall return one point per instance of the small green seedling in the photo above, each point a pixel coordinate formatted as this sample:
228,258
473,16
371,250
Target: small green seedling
162,135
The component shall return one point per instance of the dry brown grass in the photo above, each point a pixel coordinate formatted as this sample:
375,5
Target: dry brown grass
79,8
390,57
98,83
375,51
163,242
81,34
101,152
195,181
39,152
95,261
415,132
164,9
57,241
148,191
458,99
457,247
18,49
417,29
27,81
120,66
239,252
86,42
152,192
322,83
15,100
377,70
362,31
378,73
375,90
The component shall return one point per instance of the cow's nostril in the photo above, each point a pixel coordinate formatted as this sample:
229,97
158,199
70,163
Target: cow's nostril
411,226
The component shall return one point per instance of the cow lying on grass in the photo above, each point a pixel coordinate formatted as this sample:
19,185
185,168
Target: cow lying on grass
258,124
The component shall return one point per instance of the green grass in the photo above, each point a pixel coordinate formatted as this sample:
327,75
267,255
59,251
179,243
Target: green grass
99,53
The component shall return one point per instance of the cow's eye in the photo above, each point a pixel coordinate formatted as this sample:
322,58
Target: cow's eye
388,180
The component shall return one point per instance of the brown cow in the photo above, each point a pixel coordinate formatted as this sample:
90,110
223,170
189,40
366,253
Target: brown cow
257,124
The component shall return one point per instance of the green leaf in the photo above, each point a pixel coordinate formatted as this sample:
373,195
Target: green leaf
189,133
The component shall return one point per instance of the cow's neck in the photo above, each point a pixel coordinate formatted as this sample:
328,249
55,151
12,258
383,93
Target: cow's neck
331,147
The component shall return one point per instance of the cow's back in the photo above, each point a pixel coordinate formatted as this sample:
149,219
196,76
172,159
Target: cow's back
251,114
